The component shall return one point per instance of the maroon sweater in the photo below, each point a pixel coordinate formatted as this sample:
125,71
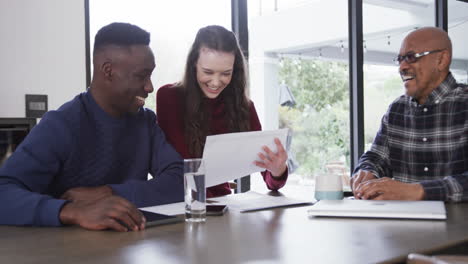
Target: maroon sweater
170,115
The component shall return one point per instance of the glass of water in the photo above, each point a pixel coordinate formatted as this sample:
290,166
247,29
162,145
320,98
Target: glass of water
195,193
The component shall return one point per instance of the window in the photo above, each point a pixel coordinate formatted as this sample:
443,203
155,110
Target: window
299,80
457,29
385,24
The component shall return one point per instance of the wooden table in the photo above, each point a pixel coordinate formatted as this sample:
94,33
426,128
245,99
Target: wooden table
274,236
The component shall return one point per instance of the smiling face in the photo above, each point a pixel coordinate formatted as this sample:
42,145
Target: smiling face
214,71
427,72
131,82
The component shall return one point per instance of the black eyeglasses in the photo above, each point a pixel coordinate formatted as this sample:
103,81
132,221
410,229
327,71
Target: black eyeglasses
413,57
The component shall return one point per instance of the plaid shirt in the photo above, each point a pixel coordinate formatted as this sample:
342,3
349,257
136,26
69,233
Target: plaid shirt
425,143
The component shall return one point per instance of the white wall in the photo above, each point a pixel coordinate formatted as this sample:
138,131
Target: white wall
42,51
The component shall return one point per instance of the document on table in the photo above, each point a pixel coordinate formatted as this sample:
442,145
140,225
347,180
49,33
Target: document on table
230,156
253,201
166,209
243,202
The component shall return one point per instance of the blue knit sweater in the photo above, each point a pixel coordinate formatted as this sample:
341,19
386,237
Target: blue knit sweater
81,145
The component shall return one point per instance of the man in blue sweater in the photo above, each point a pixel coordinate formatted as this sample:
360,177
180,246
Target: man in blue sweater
87,163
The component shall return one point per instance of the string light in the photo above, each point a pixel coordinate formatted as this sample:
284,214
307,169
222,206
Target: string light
364,46
462,22
300,62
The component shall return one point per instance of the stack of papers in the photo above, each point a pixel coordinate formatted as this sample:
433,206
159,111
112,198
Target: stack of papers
243,202
253,201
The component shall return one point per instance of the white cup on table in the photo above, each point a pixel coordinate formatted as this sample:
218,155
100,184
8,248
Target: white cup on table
328,187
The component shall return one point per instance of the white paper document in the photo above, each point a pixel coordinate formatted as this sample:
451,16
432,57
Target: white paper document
230,156
252,201
243,202
166,209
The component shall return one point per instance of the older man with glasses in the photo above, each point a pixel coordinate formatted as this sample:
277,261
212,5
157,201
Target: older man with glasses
421,149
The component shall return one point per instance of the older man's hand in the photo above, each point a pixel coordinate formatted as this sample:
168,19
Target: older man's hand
359,177
388,189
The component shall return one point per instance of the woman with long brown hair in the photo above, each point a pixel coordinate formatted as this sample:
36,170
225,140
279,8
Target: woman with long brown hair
211,99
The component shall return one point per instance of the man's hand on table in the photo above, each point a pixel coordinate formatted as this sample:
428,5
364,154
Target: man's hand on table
112,212
388,189
359,177
87,193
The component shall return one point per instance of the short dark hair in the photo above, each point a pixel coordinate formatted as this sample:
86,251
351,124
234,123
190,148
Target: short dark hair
120,34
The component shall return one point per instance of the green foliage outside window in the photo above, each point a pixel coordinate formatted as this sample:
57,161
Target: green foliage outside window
320,119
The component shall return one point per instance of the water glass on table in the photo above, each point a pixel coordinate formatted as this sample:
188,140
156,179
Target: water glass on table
195,192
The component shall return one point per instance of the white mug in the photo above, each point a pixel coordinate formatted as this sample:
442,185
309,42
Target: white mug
328,187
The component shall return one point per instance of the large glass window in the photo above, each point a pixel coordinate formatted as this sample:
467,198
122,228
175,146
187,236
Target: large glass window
172,24
458,32
299,80
385,24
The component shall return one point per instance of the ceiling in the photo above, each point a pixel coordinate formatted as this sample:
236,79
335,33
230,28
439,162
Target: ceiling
385,24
